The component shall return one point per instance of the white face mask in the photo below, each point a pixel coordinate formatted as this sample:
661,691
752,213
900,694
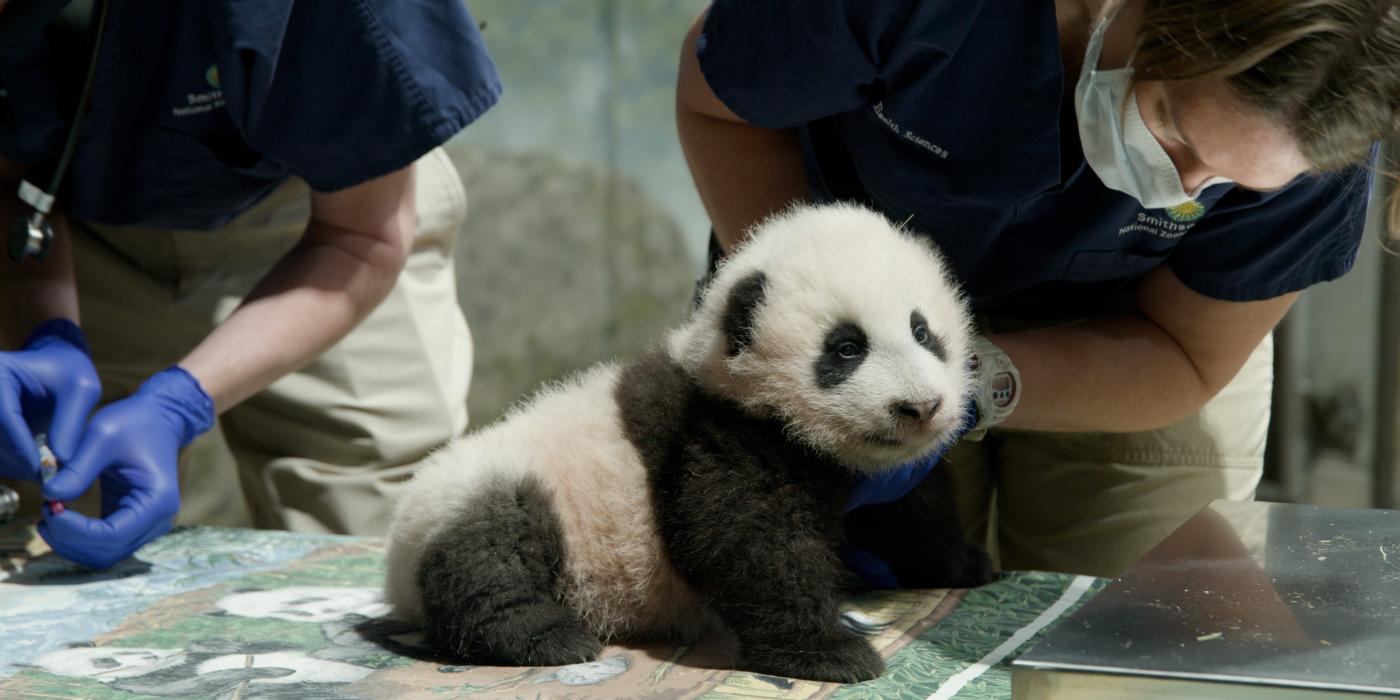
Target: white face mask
1117,143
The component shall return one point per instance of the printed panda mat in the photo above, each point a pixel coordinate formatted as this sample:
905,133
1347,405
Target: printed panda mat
220,613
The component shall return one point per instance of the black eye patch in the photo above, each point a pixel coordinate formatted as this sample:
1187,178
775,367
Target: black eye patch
843,350
924,336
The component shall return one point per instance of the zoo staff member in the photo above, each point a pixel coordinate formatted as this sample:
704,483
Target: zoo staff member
1133,194
258,229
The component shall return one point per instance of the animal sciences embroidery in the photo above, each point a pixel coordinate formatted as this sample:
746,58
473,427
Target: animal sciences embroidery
909,135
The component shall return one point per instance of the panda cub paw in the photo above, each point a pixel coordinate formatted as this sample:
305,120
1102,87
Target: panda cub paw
543,637
561,646
842,660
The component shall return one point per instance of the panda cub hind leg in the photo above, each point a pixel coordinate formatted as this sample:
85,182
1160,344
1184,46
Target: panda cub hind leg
489,583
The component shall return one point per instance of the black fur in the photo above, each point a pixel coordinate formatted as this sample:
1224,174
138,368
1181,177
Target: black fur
743,303
931,342
654,395
490,583
843,351
751,519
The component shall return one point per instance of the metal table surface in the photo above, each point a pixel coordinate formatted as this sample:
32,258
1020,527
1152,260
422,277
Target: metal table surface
1262,594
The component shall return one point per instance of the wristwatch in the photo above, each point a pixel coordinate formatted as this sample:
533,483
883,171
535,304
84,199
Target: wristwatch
996,386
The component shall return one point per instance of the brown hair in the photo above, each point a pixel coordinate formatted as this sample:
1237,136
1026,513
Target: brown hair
1329,70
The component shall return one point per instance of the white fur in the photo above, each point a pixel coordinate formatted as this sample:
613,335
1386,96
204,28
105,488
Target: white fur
823,265
570,437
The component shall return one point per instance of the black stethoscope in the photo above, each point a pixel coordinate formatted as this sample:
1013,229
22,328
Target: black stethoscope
31,233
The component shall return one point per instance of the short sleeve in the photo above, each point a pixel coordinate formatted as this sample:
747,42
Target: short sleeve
1255,246
340,93
34,111
781,63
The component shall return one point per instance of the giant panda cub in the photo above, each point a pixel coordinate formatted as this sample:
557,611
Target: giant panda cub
703,484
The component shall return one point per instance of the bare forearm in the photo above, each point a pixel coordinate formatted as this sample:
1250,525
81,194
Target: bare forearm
310,300
35,290
743,173
1142,371
1118,374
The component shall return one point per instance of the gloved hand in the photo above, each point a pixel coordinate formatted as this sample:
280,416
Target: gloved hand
134,446
893,484
50,386
888,487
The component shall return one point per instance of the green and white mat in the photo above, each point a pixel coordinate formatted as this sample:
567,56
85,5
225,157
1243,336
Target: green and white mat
218,613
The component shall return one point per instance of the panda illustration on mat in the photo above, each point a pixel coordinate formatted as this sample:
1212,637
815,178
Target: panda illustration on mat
703,484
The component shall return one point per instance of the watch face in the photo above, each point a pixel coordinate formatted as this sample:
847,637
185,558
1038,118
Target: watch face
17,238
1003,386
28,237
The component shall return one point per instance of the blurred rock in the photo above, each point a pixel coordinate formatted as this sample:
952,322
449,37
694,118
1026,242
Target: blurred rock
559,265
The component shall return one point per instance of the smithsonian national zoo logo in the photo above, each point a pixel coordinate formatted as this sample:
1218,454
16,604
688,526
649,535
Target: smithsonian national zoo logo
203,101
1175,224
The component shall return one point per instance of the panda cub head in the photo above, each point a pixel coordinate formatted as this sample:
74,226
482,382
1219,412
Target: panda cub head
846,329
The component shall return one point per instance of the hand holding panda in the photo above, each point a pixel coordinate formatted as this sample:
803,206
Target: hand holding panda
703,485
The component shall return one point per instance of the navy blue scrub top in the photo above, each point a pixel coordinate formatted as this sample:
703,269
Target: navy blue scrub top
200,109
949,115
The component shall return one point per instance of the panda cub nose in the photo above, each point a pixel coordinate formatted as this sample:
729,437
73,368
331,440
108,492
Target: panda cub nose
917,411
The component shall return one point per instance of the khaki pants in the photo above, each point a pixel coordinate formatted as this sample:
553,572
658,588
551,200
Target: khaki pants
321,449
1092,503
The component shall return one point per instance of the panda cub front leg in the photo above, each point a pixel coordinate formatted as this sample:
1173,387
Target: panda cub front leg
786,617
764,558
779,592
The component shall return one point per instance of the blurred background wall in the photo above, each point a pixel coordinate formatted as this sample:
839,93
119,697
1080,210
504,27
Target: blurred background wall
1337,382
584,234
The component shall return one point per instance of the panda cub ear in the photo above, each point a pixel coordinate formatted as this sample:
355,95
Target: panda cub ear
740,308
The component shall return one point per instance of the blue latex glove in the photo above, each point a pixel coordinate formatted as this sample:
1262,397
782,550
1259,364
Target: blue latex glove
891,485
134,446
50,386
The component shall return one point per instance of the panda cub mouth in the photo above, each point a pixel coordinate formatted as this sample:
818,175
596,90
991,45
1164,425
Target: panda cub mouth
901,440
884,441
897,439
